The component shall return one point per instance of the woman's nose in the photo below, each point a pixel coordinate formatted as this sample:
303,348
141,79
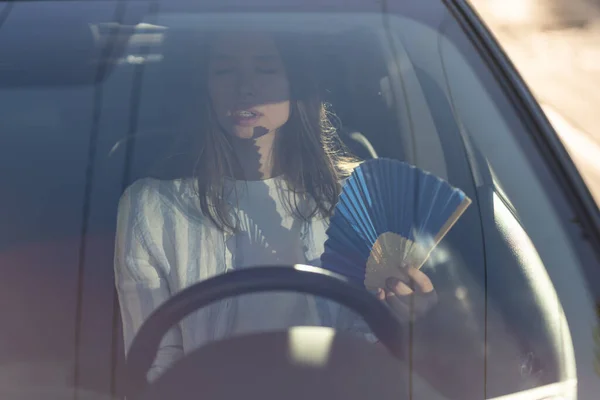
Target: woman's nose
246,84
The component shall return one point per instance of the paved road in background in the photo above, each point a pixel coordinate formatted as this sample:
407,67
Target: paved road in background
555,45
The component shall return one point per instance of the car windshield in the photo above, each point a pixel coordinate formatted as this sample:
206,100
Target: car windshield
126,124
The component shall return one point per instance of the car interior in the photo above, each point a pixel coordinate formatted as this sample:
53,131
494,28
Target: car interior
76,140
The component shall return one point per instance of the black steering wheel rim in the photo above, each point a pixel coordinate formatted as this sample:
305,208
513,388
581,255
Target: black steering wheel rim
301,278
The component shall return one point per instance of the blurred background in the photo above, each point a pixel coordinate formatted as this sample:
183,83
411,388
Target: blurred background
555,45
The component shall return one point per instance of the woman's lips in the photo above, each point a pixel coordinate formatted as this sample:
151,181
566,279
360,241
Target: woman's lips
245,117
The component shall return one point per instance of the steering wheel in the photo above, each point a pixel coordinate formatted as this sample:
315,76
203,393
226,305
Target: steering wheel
304,279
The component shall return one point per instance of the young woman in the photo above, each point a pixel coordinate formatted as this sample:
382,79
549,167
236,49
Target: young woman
267,179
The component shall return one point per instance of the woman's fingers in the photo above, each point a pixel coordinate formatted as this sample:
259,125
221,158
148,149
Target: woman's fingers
411,295
398,287
422,283
410,280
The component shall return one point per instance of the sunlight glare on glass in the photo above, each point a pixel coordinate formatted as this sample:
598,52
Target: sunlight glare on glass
511,10
439,255
310,345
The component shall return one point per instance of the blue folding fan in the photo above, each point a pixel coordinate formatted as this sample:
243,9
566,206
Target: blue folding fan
389,213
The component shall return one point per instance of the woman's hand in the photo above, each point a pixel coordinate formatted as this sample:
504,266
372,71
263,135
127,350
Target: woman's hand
410,296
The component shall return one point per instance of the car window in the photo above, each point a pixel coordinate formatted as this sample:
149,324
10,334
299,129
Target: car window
111,98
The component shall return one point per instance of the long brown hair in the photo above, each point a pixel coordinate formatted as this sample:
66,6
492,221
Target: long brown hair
315,157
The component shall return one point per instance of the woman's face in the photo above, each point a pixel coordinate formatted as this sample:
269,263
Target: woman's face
248,86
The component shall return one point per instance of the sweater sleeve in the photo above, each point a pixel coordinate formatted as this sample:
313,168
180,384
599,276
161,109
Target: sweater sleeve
141,271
